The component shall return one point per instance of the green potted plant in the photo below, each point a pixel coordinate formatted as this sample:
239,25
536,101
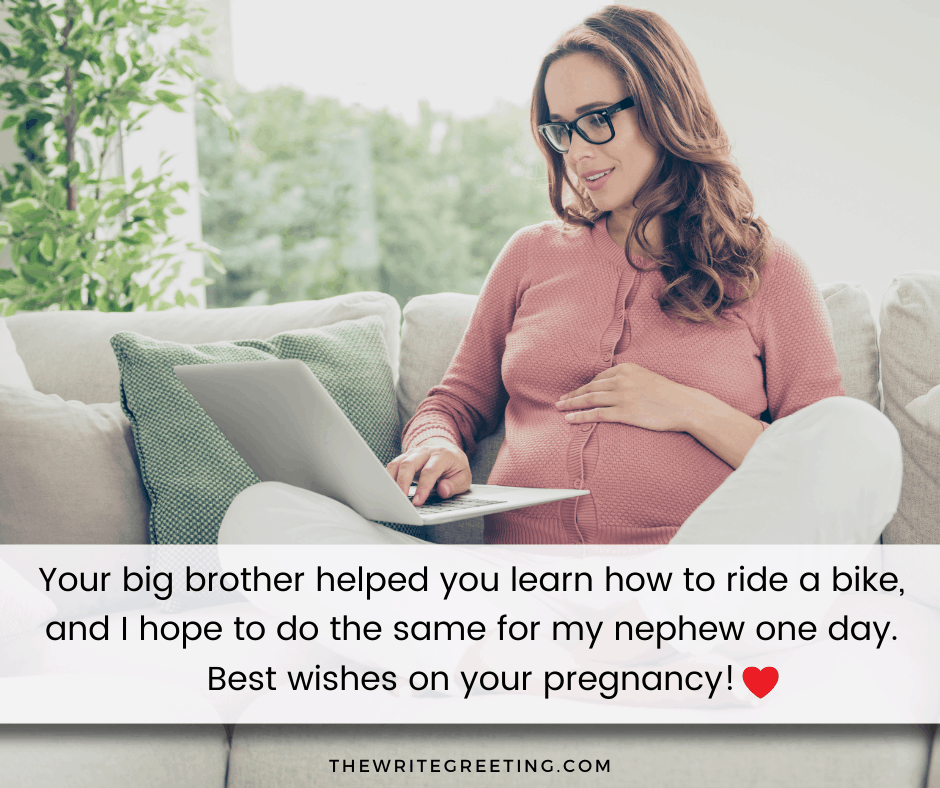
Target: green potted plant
77,78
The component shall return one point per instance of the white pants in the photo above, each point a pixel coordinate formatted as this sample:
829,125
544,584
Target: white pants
828,474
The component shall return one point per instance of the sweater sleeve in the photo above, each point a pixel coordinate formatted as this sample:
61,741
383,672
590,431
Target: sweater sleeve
469,402
795,336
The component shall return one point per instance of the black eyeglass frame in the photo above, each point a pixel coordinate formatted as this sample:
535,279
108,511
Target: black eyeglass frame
573,125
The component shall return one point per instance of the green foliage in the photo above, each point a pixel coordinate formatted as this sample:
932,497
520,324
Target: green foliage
276,199
77,78
447,193
450,192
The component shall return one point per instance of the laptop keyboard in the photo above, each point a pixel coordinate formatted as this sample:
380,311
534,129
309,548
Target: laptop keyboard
435,503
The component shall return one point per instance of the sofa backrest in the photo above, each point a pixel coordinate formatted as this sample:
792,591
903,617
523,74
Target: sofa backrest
69,353
910,364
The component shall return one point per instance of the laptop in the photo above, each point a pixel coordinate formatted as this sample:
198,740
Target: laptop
286,426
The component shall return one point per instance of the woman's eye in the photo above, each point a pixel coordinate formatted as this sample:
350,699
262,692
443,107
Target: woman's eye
596,121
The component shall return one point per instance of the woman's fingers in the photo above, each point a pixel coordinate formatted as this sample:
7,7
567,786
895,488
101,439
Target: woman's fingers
594,414
404,468
428,466
447,475
591,399
430,473
598,384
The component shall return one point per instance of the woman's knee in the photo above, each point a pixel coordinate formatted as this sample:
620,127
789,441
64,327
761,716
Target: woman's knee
276,513
866,430
847,425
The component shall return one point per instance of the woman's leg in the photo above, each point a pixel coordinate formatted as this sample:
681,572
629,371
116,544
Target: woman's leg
275,513
827,474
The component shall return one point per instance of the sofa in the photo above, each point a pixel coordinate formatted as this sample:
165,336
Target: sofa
87,492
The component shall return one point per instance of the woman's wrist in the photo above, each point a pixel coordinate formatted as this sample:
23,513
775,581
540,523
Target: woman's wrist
437,440
725,431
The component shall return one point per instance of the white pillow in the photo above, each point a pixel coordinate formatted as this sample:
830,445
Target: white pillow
926,410
22,607
12,370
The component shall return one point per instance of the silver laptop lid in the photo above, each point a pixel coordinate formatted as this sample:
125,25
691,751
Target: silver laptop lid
288,428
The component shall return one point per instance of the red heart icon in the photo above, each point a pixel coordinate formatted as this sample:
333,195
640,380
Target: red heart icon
760,682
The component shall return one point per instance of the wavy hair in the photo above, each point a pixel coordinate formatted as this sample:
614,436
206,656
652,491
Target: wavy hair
713,245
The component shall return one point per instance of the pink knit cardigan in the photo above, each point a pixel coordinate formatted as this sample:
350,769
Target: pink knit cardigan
559,307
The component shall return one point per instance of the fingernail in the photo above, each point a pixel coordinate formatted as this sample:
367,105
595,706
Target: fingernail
569,416
559,403
445,490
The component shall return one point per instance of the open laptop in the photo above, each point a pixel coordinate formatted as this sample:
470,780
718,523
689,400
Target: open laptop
283,422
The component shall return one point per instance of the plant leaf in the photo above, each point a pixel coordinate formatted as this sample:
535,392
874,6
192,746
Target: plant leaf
46,248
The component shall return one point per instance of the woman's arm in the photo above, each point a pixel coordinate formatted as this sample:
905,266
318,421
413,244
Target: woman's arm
723,430
790,323
469,402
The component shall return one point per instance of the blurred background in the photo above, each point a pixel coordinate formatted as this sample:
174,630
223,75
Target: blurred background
386,145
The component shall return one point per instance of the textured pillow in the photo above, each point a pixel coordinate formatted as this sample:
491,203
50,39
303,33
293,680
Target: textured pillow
12,370
856,339
68,473
910,367
190,470
926,410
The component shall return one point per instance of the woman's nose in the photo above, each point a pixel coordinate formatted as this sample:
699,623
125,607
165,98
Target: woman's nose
579,149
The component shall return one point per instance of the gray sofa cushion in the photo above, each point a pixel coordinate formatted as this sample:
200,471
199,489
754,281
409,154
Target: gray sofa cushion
69,353
706,756
112,756
910,364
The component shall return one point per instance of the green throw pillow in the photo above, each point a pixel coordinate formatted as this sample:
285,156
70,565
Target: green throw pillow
190,470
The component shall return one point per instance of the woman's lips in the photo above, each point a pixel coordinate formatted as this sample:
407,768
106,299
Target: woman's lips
599,183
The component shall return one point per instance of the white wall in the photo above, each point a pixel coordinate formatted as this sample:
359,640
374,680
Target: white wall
165,131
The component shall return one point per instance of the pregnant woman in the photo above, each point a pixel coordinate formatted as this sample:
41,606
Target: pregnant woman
655,345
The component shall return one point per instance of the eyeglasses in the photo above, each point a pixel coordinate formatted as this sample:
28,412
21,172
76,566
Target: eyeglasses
594,127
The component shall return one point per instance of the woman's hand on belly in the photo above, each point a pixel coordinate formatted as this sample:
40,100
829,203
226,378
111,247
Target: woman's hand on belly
439,462
631,394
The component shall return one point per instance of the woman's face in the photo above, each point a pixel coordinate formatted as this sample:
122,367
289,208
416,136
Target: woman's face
581,82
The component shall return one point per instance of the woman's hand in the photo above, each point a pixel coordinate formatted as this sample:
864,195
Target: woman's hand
440,462
630,394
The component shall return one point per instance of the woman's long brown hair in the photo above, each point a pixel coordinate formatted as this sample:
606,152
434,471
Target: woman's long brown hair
714,246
